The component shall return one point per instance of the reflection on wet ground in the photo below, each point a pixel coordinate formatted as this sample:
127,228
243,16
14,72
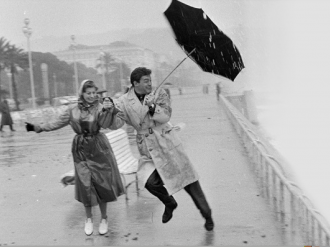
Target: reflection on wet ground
35,209
16,145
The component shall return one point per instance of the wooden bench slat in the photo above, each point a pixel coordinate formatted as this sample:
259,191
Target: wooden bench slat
120,144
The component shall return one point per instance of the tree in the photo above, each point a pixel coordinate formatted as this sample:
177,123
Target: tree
15,59
59,72
62,71
4,45
107,64
87,73
121,72
114,72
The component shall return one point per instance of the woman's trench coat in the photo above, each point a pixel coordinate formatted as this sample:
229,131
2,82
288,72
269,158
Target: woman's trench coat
157,142
97,178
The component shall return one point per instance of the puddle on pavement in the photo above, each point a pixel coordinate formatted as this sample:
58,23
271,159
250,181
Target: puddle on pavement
15,146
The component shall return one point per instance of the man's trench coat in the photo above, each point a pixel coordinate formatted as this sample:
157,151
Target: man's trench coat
157,141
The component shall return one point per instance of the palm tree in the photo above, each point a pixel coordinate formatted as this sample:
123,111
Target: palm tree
4,45
108,63
15,58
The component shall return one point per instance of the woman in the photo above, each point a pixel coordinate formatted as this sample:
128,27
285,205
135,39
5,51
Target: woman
97,179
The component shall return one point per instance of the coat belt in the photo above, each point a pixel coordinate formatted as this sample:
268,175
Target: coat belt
150,130
145,131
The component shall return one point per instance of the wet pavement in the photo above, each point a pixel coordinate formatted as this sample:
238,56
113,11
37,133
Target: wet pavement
35,209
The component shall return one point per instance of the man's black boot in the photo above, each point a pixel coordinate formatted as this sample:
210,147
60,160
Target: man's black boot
209,224
168,213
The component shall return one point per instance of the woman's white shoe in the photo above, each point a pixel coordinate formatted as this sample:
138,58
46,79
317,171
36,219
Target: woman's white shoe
103,228
88,226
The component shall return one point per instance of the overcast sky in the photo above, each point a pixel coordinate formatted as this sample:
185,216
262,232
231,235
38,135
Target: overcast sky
66,17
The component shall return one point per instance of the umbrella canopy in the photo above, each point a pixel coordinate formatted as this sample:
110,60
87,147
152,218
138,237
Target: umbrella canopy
214,51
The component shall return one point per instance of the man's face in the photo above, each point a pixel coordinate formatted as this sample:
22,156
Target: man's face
144,86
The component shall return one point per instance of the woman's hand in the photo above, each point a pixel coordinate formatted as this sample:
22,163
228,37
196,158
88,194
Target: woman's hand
107,104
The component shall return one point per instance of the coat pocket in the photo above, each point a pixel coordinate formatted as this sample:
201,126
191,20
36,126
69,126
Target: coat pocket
172,139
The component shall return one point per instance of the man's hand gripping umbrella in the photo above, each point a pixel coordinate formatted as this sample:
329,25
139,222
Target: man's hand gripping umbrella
152,97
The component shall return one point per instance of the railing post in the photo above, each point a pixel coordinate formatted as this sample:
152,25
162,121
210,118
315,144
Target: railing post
282,202
294,215
302,220
276,187
319,231
262,176
274,194
257,168
267,180
307,231
313,230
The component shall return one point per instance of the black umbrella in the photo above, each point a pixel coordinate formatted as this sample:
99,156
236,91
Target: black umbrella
214,51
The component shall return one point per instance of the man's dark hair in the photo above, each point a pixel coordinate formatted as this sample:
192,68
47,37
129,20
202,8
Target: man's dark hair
138,73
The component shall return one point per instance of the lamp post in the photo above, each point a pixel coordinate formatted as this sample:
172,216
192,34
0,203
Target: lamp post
102,54
10,83
122,81
55,85
28,31
74,61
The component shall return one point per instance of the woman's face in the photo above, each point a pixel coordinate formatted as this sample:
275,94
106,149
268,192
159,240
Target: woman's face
90,94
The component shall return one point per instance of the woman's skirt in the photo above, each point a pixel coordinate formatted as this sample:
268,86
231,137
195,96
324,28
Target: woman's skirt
97,178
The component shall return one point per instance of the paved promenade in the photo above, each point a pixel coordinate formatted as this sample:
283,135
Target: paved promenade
36,210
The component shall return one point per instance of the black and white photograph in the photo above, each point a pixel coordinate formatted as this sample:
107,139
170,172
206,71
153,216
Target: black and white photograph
164,122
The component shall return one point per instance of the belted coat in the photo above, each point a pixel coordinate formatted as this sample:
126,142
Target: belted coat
97,177
157,141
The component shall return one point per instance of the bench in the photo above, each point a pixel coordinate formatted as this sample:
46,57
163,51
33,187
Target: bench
127,163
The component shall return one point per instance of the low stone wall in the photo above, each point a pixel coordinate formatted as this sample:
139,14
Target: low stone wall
36,115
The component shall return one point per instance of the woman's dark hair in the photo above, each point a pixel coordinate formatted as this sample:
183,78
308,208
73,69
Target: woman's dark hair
89,84
138,73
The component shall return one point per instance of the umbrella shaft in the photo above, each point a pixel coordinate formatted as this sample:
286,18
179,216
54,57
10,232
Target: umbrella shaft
174,69
166,78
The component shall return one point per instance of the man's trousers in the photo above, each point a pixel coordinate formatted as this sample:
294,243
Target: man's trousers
156,187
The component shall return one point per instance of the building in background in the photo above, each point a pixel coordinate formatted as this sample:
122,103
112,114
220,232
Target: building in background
132,55
188,74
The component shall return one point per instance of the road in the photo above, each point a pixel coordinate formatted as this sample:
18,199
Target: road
35,209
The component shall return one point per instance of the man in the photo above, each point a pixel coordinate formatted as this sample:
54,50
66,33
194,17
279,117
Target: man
218,90
6,117
163,160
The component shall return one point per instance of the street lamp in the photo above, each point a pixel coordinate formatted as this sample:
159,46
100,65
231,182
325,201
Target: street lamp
74,61
28,31
10,83
55,85
102,54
